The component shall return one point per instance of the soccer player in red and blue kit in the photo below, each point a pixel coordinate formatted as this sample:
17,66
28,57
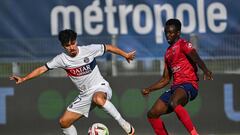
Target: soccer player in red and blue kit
181,61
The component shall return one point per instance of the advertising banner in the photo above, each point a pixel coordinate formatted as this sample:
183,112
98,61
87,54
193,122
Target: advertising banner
29,28
35,106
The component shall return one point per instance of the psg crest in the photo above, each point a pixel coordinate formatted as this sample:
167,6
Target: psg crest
86,60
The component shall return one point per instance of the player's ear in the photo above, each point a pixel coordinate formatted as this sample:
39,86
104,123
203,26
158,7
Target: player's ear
179,33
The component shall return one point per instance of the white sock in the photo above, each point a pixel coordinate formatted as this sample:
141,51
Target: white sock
110,109
70,130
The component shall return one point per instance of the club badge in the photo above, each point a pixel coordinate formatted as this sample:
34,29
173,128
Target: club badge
86,60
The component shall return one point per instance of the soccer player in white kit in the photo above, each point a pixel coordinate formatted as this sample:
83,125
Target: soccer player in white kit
80,64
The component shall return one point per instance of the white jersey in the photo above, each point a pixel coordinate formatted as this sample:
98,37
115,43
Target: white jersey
82,69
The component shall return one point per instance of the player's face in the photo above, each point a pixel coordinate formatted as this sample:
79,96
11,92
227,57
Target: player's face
71,48
171,33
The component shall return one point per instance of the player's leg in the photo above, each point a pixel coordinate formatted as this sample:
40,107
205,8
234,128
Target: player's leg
159,108
178,100
66,122
78,108
100,99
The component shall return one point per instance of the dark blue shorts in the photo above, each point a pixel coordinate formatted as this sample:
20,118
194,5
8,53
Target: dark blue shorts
191,91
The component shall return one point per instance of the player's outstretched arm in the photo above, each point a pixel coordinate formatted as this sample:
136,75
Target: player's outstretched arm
195,57
127,55
38,71
165,79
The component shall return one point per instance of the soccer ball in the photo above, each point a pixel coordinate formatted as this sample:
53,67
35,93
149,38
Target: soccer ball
98,129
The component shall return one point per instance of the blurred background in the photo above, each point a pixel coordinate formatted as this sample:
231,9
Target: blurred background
28,39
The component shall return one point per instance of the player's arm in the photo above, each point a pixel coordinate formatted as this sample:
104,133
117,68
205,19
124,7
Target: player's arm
127,55
35,73
165,79
195,57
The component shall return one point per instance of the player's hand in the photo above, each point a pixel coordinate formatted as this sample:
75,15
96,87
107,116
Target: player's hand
130,56
208,75
17,79
145,92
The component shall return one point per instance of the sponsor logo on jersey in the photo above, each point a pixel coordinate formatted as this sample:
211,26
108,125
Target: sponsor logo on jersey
176,69
82,70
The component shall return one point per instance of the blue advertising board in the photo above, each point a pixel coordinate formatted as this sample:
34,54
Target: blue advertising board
29,28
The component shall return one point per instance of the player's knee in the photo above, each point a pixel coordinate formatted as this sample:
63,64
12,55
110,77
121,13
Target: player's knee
99,100
152,114
64,123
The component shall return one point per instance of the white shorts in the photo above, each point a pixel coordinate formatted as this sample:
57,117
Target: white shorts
82,103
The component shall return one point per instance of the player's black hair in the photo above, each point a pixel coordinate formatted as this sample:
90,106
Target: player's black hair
65,36
174,22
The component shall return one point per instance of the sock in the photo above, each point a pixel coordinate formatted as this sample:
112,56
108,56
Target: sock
158,126
110,109
184,117
70,130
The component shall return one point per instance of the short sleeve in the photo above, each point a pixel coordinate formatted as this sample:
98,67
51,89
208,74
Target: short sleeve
56,62
187,47
97,49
